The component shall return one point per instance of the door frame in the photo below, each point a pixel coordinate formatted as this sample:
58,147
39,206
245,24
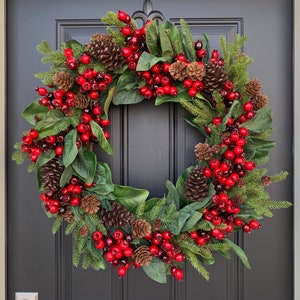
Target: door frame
296,160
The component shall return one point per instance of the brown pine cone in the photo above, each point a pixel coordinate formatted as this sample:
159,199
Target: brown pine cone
109,53
216,149
68,216
143,256
50,175
157,225
82,101
118,216
178,70
259,101
253,87
64,81
203,151
90,204
141,228
83,231
237,199
214,78
241,183
196,187
266,180
195,71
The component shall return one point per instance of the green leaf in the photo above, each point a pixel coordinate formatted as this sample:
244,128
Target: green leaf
44,158
70,147
181,93
147,61
156,270
261,121
98,132
180,185
152,39
257,148
34,110
173,196
129,196
192,221
66,176
239,252
85,165
165,44
109,100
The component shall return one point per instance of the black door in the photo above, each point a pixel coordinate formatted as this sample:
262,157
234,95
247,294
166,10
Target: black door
155,136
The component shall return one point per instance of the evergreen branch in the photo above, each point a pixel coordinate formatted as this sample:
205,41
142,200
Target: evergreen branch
86,261
280,176
31,168
202,225
111,18
19,157
153,214
70,227
57,224
78,247
188,40
117,37
196,264
140,209
96,223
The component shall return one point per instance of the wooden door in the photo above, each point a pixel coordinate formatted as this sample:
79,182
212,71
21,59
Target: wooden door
149,149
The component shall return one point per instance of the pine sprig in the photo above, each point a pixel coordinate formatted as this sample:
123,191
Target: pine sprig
153,214
188,41
57,224
78,247
140,209
55,57
280,176
202,225
192,258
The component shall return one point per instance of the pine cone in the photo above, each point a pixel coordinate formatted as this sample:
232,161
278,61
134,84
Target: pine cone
216,149
178,70
266,180
237,199
68,216
203,151
196,187
64,81
50,175
157,225
109,53
241,183
260,101
143,256
215,77
118,216
69,112
83,231
90,204
141,228
253,87
195,71
82,101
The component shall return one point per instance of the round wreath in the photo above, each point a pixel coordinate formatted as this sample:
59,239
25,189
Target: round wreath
222,192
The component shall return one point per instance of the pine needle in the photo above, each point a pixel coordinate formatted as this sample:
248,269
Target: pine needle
57,224
196,264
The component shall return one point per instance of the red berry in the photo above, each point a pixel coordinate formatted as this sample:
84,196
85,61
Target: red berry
167,245
167,234
248,106
159,92
229,155
94,95
246,228
173,91
68,52
106,134
41,91
207,172
153,250
102,86
118,235
178,274
249,165
86,118
228,85
128,252
215,54
27,140
104,122
97,110
187,83
231,96
254,224
99,244
243,131
179,257
238,150
85,137
194,235
97,235
201,53
214,163
109,256
85,58
75,201
59,150
107,78
217,121
126,52
192,92
126,30
123,17
122,271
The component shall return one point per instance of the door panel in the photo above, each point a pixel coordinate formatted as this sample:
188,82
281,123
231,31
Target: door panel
151,144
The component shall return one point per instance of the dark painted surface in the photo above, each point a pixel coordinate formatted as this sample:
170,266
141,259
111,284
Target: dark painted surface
152,144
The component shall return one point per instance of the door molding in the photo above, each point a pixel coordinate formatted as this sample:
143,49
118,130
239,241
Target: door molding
296,149
2,152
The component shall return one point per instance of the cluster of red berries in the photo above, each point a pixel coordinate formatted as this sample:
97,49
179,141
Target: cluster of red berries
158,82
116,248
135,40
57,202
34,146
59,99
162,247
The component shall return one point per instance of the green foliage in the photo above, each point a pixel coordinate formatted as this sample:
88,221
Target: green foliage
55,57
102,141
19,156
57,224
156,270
280,176
187,41
193,259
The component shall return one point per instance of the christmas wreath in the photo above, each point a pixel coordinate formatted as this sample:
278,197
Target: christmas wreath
221,193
